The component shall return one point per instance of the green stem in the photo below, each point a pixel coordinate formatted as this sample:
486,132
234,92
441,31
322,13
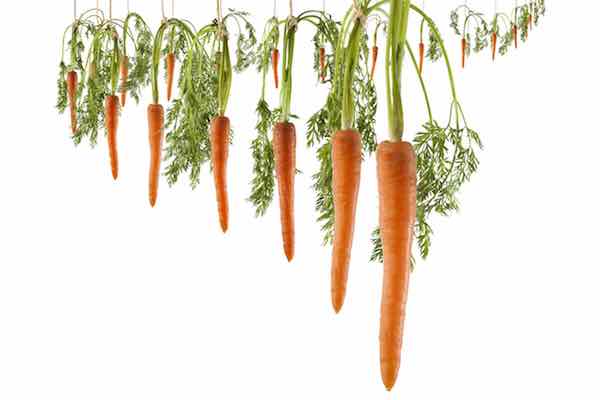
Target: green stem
289,39
351,60
423,87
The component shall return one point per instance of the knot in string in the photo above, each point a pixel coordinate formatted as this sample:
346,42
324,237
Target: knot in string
359,14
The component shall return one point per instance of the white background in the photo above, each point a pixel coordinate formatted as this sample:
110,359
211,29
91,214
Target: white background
102,297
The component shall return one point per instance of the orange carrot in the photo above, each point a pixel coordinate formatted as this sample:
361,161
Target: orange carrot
374,54
396,175
464,50
72,94
170,74
347,158
156,121
494,44
284,147
124,76
530,22
322,63
275,62
516,35
421,56
219,141
112,123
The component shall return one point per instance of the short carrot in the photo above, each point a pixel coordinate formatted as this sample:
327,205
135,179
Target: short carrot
396,173
464,51
124,75
275,62
494,44
284,147
322,58
530,22
374,55
219,140
156,121
72,95
516,35
170,74
347,159
112,123
421,56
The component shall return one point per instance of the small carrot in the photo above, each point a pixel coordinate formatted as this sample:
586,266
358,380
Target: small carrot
530,22
170,74
124,75
112,124
374,55
421,56
322,57
156,121
396,175
516,35
219,140
72,95
275,62
284,147
464,51
494,44
347,159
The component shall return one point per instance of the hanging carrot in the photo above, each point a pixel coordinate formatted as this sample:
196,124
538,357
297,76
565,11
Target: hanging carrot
275,62
346,155
170,74
322,57
494,44
374,55
219,140
530,22
516,35
124,75
463,50
284,148
156,121
112,124
72,95
421,56
396,173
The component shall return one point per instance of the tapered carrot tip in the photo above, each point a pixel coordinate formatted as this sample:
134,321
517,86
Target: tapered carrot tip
389,373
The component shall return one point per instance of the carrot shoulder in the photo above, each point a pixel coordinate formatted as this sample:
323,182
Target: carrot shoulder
170,74
284,147
219,140
346,155
275,62
124,76
396,173
72,95
112,124
156,120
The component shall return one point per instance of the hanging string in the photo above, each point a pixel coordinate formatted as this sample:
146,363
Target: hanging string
109,9
128,10
219,12
324,6
274,8
495,7
173,8
98,8
162,9
291,9
75,10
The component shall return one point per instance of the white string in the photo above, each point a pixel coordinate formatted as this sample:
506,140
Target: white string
324,6
291,9
97,8
219,12
75,10
173,8
128,10
274,8
162,9
109,9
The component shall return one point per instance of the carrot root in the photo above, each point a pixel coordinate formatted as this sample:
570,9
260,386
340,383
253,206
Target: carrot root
219,140
347,159
464,51
396,173
170,74
275,62
72,96
322,57
516,35
124,75
112,124
156,121
421,56
284,147
374,55
494,44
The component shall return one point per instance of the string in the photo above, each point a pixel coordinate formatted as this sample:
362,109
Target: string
75,10
173,8
275,8
128,10
219,12
109,9
291,9
98,8
324,6
162,9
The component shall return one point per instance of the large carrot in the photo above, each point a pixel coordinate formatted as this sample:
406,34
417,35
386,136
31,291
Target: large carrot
374,54
284,147
170,74
494,43
346,155
322,57
219,140
156,121
72,95
275,62
421,56
112,123
463,50
396,174
124,75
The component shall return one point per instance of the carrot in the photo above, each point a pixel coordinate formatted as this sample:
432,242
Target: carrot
396,175
170,74
156,121
219,141
421,56
322,63
112,124
374,54
516,35
72,94
124,76
464,50
275,62
347,158
494,43
284,147
530,22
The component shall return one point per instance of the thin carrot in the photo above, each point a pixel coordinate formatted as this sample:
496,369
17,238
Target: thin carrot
516,35
322,57
346,155
156,121
72,94
494,44
275,62
219,140
464,50
124,75
112,124
396,173
421,56
530,22
170,74
374,54
284,147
